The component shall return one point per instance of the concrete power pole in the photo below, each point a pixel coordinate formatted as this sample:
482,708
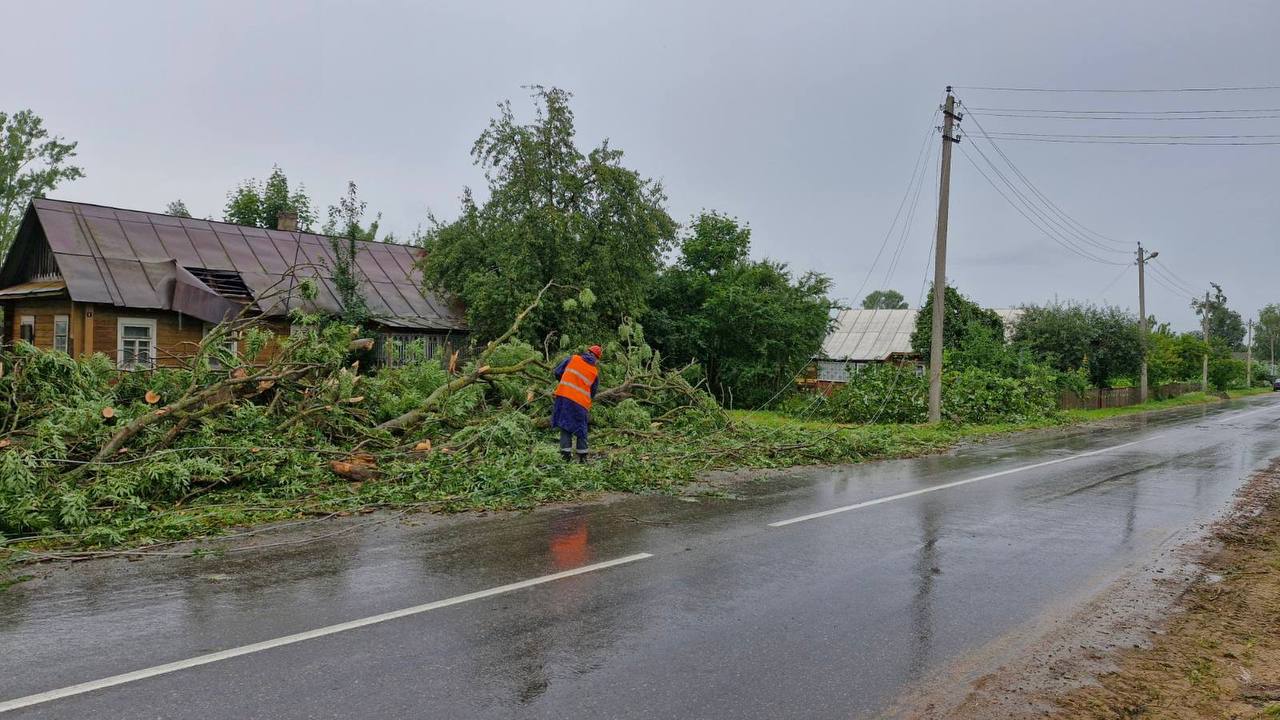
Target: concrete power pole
1248,358
949,119
1204,368
1142,317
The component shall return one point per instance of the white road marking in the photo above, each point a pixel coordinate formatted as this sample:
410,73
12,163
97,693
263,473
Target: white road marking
300,637
957,483
1251,412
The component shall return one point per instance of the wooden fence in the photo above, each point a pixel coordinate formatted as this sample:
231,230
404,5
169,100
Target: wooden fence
1119,397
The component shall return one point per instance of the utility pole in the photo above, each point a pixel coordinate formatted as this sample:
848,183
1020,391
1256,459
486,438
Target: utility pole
1204,368
1248,358
1142,317
949,119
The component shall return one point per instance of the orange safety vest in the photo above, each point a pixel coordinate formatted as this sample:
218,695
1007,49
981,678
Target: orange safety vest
575,384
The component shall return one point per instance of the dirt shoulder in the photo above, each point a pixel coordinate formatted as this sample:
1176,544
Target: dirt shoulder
1201,640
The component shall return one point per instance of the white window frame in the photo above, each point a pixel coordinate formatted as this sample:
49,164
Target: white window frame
232,345
66,333
27,320
121,324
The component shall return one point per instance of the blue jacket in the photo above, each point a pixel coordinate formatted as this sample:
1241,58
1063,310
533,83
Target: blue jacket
567,414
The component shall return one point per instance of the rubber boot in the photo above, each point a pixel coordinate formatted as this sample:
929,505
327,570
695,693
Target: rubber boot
582,458
568,456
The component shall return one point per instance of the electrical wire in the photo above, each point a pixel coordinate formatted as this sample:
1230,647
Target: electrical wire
1052,111
1044,229
892,268
1132,137
1099,240
1239,88
915,171
1123,271
1172,274
916,177
1184,287
1131,117
1140,142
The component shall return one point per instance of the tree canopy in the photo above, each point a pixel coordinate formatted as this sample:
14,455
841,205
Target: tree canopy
177,208
1104,341
259,204
345,230
959,313
1226,327
884,300
750,324
554,215
32,163
1266,332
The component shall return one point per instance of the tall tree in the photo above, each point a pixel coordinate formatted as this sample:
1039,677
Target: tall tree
884,300
260,203
1226,327
177,208
345,230
554,214
959,314
32,163
1266,332
750,324
1104,341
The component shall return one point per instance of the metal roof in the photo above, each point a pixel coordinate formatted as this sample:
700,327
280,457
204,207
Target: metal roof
36,288
862,335
868,335
134,259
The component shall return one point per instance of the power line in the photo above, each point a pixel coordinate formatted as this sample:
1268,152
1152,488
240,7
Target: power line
1050,235
1050,222
1175,276
906,229
1240,88
1008,133
1184,287
1052,111
1214,118
911,183
1123,271
1182,294
1140,142
1082,231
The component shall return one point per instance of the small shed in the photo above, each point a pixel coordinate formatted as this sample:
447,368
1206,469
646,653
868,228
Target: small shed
862,337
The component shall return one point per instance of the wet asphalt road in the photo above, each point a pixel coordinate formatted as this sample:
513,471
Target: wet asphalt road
730,618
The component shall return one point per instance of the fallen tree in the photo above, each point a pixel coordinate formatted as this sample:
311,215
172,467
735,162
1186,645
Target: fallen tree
107,455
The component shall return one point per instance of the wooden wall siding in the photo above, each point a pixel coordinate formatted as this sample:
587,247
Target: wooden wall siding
176,334
43,311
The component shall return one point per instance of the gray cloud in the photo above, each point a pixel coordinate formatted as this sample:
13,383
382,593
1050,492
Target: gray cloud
801,118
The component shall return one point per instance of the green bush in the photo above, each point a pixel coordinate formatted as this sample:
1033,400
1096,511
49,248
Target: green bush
628,414
975,395
881,394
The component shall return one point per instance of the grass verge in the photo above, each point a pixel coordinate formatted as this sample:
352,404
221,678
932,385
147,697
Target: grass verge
524,476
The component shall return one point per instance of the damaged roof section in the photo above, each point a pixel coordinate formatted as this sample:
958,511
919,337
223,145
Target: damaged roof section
205,268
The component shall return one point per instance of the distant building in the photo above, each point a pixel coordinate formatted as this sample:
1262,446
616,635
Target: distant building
864,337
143,288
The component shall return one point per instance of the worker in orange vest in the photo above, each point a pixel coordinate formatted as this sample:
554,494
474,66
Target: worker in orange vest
579,378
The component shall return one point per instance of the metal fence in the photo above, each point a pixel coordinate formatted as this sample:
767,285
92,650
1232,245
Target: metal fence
1119,397
396,349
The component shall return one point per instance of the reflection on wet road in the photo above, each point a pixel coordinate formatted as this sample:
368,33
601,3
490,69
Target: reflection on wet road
830,617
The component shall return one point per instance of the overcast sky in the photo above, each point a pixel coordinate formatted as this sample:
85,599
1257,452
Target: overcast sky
803,119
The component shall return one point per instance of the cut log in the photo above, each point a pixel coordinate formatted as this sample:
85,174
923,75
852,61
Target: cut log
358,467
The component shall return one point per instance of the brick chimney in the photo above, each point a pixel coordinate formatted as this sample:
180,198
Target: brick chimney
287,221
